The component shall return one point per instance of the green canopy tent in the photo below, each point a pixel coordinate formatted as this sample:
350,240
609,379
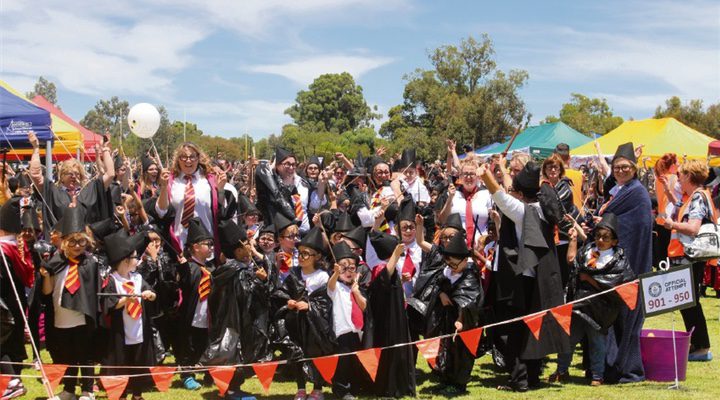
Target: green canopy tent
540,141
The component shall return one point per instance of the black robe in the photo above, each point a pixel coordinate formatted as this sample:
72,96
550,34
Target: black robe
93,197
239,316
454,362
396,367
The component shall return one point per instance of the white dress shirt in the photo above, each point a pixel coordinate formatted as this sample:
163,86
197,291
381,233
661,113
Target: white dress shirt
203,204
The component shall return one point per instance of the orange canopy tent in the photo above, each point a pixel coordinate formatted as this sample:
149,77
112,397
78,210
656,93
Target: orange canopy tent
89,138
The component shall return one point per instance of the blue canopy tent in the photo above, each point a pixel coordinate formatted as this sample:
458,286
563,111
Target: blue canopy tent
480,150
19,116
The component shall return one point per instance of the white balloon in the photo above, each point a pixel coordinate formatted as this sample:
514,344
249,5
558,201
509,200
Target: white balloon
144,120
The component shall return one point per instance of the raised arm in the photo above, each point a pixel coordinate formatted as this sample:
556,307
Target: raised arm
109,172
36,174
447,207
420,234
392,262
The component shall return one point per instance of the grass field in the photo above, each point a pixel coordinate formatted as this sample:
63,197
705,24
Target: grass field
703,379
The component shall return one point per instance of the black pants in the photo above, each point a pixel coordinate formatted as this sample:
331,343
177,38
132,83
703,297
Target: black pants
694,316
349,368
75,349
523,373
194,342
136,384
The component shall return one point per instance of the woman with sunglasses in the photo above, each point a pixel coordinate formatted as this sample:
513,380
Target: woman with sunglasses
71,279
308,311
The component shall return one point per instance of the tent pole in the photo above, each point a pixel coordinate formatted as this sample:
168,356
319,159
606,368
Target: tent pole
48,160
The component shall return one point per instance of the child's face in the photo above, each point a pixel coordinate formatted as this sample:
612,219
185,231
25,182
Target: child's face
604,239
202,250
307,257
348,270
267,242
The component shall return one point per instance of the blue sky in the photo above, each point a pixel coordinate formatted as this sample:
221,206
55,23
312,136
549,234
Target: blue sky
234,66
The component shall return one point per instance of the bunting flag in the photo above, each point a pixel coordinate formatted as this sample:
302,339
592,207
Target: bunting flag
265,373
629,294
54,373
162,377
563,316
114,385
326,366
471,339
429,349
369,359
222,377
4,380
534,323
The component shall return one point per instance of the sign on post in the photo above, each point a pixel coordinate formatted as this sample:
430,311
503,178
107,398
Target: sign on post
668,290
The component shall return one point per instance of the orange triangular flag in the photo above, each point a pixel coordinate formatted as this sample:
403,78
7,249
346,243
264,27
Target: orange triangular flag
265,373
429,349
629,294
54,373
114,385
222,377
326,366
369,359
4,380
534,322
563,315
162,377
471,339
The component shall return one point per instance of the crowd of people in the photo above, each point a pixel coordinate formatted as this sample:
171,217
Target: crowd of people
122,262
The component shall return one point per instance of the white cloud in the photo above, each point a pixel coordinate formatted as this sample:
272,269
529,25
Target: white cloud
303,71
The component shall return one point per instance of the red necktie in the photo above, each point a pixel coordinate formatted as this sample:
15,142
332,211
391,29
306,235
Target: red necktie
469,221
299,213
204,286
592,261
385,227
132,306
189,202
356,315
285,262
72,280
408,265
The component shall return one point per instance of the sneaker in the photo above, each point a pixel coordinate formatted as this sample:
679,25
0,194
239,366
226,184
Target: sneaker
559,377
191,384
300,395
14,390
86,396
239,395
700,357
65,395
348,397
316,395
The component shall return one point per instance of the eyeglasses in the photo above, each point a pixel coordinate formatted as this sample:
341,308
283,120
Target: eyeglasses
553,167
77,242
603,237
407,228
208,243
623,168
306,254
289,165
293,236
356,249
468,175
188,158
347,268
71,174
445,238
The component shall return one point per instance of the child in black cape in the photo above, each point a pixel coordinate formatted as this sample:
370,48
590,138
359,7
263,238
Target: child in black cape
131,335
72,281
450,299
239,308
195,285
308,311
386,297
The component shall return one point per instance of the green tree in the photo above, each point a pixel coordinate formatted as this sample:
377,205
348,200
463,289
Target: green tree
44,88
108,116
587,115
464,97
692,114
332,103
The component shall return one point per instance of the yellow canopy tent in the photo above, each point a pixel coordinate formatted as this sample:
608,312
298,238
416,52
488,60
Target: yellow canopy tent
68,139
660,136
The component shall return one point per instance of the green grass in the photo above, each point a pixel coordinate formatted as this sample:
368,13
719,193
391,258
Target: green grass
703,379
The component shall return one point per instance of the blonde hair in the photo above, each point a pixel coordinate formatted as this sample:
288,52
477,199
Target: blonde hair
696,170
72,165
64,245
469,162
203,160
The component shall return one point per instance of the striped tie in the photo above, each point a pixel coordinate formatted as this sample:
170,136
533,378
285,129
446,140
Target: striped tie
133,307
189,204
204,286
299,213
385,227
592,261
72,280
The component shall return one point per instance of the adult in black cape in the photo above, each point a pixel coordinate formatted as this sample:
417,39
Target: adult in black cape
238,307
386,304
630,202
450,299
527,280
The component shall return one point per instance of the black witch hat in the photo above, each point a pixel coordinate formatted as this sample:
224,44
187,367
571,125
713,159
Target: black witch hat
457,247
383,243
609,221
627,151
357,235
314,240
344,223
359,167
72,221
10,216
230,237
527,181
123,246
454,221
281,222
408,158
197,232
342,250
118,161
146,163
315,160
269,228
30,219
407,211
281,154
103,228
246,206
